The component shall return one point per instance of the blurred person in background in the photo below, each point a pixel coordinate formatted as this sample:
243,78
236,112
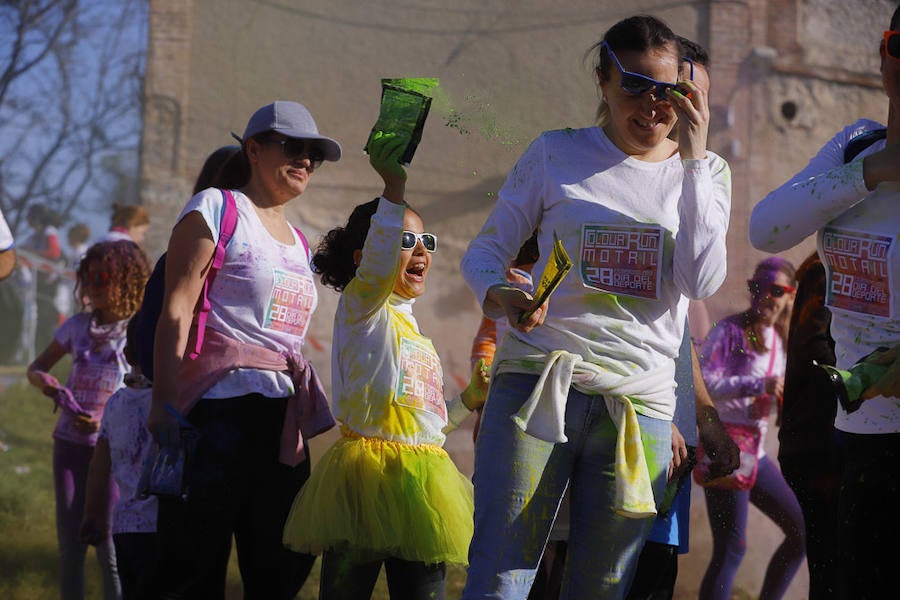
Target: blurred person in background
42,254
809,450
7,249
743,361
128,222
11,308
78,236
212,167
112,275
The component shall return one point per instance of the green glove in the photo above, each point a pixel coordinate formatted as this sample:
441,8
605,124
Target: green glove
385,150
849,385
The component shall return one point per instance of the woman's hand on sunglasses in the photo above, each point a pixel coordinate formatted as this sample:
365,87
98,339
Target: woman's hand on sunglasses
385,150
692,107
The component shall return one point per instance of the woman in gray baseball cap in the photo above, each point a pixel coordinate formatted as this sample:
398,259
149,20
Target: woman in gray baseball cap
247,390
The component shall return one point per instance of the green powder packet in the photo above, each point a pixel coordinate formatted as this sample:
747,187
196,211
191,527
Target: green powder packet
404,107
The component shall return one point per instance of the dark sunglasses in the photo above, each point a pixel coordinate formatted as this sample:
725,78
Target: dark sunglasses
636,84
293,149
892,44
410,239
775,290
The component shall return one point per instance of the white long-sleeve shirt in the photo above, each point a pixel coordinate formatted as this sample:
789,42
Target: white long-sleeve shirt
387,380
857,240
644,238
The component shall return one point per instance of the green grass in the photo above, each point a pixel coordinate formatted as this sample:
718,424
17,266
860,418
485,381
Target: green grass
28,550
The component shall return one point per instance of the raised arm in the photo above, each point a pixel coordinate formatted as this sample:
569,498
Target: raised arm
820,193
379,260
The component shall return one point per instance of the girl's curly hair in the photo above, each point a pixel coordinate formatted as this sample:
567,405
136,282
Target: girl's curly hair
333,259
127,268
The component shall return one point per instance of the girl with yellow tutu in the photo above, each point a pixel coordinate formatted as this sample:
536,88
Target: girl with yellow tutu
386,492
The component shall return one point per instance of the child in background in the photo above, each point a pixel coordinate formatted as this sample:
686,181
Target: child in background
77,236
491,331
112,277
43,278
128,222
122,446
386,492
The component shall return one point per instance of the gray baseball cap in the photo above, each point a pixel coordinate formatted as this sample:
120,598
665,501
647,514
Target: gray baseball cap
293,120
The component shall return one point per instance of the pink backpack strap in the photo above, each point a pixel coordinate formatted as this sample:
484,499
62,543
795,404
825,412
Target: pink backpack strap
302,240
226,229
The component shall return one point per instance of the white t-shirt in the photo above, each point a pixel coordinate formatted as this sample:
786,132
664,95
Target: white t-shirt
858,240
6,236
124,427
114,235
264,294
644,237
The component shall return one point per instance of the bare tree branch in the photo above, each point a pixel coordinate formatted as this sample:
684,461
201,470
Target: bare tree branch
69,101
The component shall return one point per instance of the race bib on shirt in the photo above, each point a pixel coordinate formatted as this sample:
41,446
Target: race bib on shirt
622,259
290,303
420,382
859,279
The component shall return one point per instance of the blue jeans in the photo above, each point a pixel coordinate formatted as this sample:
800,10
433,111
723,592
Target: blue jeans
519,483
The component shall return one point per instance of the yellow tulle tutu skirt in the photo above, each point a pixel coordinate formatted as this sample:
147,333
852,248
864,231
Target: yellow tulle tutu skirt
383,498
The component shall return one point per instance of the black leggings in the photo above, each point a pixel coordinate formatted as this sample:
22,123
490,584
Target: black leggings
346,577
237,487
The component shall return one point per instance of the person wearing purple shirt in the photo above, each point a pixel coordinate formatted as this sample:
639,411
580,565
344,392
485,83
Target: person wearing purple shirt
743,367
111,278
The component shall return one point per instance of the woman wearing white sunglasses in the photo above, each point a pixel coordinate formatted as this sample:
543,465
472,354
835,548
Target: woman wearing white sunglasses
851,204
589,377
